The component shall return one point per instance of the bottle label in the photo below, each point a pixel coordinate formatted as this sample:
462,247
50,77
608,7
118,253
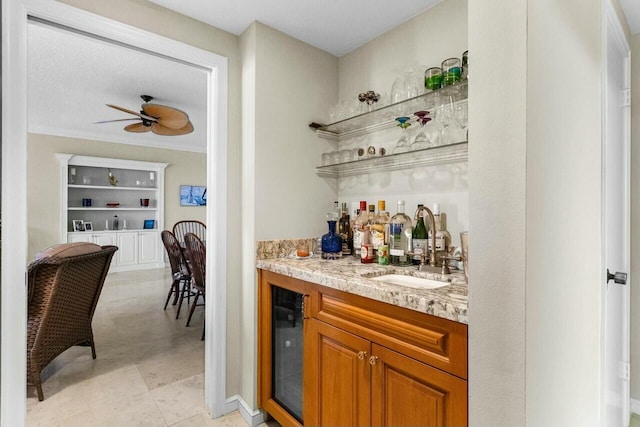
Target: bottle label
366,253
357,240
419,248
346,250
383,255
440,243
377,238
396,252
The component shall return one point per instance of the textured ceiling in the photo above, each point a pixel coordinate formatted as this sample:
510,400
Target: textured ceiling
72,77
632,10
337,26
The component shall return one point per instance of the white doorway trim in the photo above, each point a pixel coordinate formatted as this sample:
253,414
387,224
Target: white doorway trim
14,186
612,30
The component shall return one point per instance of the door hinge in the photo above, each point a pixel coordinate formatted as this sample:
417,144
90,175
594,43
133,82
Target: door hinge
625,371
626,98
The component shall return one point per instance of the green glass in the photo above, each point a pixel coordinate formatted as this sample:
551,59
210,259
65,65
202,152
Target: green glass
451,71
433,78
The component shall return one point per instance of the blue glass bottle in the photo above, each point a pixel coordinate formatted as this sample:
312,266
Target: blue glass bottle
332,242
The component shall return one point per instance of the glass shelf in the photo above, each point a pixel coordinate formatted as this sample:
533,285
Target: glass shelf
442,154
384,117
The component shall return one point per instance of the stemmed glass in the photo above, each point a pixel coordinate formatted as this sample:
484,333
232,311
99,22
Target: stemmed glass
421,140
451,129
402,146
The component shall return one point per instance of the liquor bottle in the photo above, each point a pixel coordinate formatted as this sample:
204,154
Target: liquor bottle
419,238
359,225
371,219
400,235
441,234
380,227
367,255
344,228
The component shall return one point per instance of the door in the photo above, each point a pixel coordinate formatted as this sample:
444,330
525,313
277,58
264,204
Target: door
338,377
406,392
127,248
616,226
104,239
148,247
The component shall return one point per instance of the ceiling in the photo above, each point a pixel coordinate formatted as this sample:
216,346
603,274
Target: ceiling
72,76
337,26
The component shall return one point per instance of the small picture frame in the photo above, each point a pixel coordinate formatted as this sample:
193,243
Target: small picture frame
149,224
88,226
78,225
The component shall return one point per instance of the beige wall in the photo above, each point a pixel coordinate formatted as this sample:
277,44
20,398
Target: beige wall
635,217
423,41
564,203
287,84
497,206
145,15
44,191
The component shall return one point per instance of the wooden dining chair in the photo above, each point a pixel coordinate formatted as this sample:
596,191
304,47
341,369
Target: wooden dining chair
180,271
190,226
197,254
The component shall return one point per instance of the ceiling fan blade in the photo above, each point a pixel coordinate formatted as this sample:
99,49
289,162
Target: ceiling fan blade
166,116
138,128
159,129
142,116
117,120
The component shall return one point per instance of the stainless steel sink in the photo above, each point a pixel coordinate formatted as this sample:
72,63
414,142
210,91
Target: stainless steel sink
410,281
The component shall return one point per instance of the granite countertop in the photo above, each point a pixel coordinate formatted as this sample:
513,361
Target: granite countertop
350,275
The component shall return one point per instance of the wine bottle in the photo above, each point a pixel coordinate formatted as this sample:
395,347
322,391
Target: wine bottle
441,234
400,235
344,228
419,238
358,228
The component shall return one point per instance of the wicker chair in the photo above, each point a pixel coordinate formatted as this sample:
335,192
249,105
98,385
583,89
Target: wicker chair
197,254
189,226
179,270
64,282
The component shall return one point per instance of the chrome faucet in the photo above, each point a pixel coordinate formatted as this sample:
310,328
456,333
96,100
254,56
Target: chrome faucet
432,226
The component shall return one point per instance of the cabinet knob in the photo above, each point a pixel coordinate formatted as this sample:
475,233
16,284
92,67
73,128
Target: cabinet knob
362,355
373,360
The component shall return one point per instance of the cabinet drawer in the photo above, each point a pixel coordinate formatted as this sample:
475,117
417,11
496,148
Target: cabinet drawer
438,342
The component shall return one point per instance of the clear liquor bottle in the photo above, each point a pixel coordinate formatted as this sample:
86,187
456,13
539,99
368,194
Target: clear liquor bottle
359,225
400,235
443,238
380,227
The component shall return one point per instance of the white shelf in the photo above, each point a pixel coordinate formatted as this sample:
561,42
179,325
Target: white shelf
103,187
442,154
92,208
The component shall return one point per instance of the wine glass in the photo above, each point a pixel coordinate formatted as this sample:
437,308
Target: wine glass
451,129
421,140
402,146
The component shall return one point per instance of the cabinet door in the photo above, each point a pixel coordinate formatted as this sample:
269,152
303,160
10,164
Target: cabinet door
127,248
147,247
337,384
104,239
406,392
79,237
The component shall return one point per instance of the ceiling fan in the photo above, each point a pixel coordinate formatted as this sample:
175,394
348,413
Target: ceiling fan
159,119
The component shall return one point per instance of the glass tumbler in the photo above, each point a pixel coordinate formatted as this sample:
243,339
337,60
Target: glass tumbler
451,71
433,78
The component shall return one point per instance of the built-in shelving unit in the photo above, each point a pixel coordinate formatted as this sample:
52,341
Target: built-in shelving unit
104,181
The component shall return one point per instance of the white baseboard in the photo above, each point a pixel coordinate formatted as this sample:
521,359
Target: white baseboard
635,406
253,418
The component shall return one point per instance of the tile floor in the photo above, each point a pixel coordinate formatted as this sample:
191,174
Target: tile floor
149,366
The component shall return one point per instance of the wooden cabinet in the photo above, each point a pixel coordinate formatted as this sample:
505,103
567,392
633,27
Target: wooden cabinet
368,363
